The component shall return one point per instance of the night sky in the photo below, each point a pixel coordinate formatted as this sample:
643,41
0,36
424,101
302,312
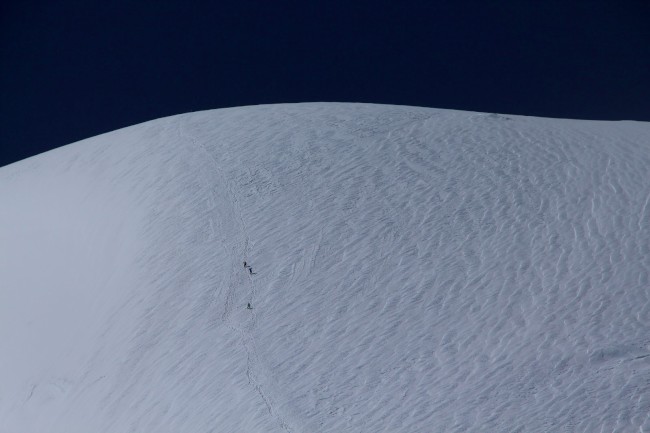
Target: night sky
74,69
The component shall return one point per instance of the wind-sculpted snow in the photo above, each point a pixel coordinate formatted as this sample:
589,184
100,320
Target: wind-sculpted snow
413,270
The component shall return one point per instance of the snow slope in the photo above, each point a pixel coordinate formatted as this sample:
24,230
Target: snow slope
415,270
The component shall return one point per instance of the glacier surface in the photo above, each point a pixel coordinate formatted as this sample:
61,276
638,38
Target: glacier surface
413,270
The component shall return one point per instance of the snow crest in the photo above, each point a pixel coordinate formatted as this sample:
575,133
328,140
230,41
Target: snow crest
412,269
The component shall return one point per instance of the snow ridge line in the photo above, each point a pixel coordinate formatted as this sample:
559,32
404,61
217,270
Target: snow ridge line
241,250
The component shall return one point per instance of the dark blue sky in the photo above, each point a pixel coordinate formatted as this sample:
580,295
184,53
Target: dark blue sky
74,69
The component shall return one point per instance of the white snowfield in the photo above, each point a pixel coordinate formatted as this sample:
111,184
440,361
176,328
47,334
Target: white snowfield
413,270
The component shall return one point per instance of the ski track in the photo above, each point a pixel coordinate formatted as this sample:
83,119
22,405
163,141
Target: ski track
239,252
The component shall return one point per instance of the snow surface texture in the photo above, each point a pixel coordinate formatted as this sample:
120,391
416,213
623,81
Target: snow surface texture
414,270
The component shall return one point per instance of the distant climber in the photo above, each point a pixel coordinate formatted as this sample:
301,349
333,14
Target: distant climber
245,265
248,307
250,270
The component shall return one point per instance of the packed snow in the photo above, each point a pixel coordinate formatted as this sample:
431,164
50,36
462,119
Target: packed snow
408,270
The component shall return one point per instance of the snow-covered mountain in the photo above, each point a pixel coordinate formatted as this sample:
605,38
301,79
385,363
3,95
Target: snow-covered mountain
413,270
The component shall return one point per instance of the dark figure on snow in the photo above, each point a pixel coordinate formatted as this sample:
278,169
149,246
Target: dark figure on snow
245,265
248,307
250,270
